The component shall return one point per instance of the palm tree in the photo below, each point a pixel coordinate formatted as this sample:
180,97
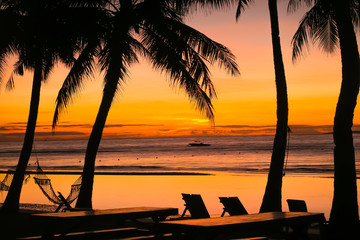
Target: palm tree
272,197
331,23
152,29
34,33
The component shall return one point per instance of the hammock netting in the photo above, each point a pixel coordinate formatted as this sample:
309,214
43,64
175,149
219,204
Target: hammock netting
5,183
45,185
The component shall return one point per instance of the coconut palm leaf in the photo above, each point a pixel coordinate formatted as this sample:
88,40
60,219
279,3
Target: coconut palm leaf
82,69
317,24
18,70
198,43
9,27
293,5
242,5
167,59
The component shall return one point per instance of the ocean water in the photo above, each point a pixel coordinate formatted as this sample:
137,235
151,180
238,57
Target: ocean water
308,154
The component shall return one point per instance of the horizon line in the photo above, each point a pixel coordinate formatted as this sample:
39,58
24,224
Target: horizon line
10,133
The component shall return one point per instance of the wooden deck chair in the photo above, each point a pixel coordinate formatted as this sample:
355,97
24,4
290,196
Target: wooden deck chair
195,205
296,205
233,206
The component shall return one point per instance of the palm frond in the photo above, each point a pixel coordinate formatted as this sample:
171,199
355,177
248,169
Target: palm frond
319,25
327,34
200,72
355,13
9,27
10,84
293,5
47,65
242,5
3,56
18,70
216,4
167,59
119,54
300,39
207,48
82,68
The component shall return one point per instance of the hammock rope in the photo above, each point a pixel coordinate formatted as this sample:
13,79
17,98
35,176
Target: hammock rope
287,149
46,187
5,183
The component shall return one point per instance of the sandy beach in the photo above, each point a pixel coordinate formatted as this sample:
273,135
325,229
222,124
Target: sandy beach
115,191
154,172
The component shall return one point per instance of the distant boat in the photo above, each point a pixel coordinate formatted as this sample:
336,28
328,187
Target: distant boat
199,144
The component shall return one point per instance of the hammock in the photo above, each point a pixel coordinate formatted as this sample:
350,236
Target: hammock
5,183
45,185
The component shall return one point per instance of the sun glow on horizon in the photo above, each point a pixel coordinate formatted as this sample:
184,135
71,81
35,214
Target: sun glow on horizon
149,106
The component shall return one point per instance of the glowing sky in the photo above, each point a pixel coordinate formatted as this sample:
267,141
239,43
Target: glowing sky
149,106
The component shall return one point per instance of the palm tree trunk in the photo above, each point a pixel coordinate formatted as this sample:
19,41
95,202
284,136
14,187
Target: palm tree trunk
272,197
344,212
86,190
11,203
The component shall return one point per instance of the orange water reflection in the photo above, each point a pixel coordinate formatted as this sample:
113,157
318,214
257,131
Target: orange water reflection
129,191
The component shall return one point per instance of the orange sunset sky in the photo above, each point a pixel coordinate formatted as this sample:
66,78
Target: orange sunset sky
149,106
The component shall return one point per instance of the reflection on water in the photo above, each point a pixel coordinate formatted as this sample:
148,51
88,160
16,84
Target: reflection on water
240,163
309,154
130,191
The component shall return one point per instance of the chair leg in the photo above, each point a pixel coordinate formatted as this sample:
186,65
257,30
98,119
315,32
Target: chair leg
59,207
223,213
183,214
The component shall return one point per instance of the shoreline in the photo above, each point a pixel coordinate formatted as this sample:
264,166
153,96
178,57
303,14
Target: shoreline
174,173
171,173
126,173
129,189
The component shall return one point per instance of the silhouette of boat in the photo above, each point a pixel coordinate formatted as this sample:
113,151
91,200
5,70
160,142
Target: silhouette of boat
198,144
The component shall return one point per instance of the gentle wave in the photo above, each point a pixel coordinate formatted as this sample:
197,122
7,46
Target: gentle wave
242,154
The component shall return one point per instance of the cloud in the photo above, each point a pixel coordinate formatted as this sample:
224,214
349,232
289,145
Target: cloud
15,131
132,125
197,120
74,125
268,129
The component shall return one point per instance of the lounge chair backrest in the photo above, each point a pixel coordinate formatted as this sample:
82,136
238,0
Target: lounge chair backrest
233,206
195,205
297,205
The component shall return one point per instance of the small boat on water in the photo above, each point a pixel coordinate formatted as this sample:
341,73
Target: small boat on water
198,144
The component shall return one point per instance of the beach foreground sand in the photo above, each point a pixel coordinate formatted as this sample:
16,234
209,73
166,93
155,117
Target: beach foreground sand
115,191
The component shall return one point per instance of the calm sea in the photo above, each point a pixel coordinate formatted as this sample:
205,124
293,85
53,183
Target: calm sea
308,154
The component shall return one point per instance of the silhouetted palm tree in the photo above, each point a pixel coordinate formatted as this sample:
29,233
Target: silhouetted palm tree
153,29
272,197
34,32
332,22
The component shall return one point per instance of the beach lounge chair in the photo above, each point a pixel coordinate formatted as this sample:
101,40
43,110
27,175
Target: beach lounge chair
195,205
232,206
296,205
